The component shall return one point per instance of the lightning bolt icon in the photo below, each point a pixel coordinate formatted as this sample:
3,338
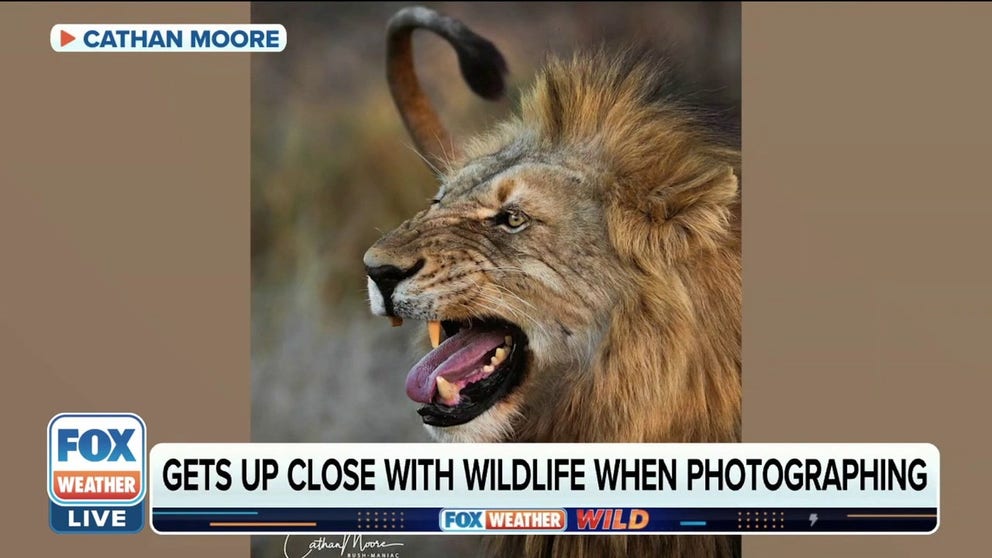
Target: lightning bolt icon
812,519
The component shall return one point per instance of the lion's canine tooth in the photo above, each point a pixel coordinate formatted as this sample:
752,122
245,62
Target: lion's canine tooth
397,321
447,390
500,355
434,331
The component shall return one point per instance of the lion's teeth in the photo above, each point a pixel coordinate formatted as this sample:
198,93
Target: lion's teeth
434,331
397,321
488,368
508,339
500,355
447,390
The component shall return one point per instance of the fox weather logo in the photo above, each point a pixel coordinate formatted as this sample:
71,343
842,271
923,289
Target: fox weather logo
96,473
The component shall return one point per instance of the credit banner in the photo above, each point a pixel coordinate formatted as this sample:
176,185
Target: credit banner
133,37
563,488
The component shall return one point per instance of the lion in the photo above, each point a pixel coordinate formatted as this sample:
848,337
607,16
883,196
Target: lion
581,261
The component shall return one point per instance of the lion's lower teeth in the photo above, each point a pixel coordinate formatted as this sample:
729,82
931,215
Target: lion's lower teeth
447,391
499,356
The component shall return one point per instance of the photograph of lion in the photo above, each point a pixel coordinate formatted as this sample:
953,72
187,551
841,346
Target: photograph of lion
574,273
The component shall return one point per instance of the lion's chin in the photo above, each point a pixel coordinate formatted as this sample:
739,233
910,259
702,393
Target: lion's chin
493,425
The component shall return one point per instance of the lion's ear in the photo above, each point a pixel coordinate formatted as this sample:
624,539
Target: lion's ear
673,220
715,187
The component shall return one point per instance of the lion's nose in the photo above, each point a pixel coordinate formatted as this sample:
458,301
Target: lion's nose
387,276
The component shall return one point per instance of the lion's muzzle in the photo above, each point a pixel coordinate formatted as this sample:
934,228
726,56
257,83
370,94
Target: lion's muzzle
383,279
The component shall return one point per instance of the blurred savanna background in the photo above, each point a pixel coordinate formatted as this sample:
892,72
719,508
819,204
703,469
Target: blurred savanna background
333,168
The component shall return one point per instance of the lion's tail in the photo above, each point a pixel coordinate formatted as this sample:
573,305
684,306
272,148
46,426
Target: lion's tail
481,65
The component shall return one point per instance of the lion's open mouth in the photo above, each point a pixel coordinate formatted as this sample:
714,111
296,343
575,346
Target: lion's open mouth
478,364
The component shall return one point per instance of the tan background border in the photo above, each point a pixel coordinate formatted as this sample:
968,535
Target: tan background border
124,242
866,132
124,261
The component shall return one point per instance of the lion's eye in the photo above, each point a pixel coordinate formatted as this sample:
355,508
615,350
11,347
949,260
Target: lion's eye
513,220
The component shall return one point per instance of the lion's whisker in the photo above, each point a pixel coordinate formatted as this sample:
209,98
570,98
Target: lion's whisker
432,166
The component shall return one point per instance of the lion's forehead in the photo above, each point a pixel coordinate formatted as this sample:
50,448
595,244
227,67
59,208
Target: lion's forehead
477,175
478,178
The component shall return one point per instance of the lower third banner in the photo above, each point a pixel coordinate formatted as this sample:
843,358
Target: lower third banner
544,488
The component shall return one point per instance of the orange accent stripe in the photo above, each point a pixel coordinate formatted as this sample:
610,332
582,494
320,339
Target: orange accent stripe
262,524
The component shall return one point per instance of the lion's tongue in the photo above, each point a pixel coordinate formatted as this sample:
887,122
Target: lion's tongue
459,356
